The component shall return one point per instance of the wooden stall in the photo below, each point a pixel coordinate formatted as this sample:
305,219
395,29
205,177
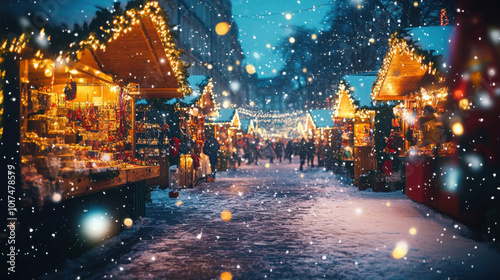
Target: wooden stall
412,76
225,127
194,109
360,88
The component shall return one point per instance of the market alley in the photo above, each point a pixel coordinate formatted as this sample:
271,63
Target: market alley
287,224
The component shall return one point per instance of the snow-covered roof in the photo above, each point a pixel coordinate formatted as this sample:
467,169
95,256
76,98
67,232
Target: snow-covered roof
194,81
433,39
322,118
225,116
360,86
245,125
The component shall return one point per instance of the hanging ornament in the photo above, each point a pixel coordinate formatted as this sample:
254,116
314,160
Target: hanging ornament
70,89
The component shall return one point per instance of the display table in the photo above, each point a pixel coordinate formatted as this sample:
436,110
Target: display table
78,186
419,185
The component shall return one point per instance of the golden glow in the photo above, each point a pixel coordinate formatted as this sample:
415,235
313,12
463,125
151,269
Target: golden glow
372,40
209,66
415,4
179,203
250,69
304,70
292,40
222,28
464,104
301,175
225,93
387,204
252,103
230,68
268,46
400,251
267,165
288,16
413,231
225,215
238,62
128,222
225,104
457,128
226,276
314,36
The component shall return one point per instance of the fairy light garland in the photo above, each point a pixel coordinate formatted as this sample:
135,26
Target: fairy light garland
343,93
122,24
399,45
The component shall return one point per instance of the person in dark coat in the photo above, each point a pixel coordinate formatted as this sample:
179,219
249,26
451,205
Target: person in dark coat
311,151
303,153
289,151
268,151
211,149
278,150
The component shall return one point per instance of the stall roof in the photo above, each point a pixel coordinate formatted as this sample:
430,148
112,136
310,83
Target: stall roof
360,86
322,118
226,116
344,106
415,59
245,125
140,51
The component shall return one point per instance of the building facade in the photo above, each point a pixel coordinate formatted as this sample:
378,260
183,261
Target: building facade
210,54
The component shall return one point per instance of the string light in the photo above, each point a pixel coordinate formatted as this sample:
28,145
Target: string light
290,14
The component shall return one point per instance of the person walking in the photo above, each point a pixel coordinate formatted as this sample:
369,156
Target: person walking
311,150
268,151
302,153
289,150
211,149
279,150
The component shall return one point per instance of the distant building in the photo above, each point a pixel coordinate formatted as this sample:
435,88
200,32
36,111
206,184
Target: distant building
219,57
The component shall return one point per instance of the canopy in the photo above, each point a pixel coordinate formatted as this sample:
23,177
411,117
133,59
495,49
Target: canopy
321,118
415,59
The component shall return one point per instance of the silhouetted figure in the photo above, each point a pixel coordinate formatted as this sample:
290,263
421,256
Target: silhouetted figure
302,153
211,149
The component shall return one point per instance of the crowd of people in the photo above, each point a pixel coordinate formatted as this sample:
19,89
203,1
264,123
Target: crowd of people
251,151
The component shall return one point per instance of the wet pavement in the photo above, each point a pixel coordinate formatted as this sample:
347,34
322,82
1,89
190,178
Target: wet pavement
285,224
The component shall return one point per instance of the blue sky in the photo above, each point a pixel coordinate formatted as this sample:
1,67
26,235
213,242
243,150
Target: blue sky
255,33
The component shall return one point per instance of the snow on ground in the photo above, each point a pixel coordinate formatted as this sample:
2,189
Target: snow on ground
288,224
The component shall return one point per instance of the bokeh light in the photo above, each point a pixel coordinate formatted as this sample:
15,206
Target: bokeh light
457,128
95,225
230,68
225,215
222,28
179,203
128,222
267,165
288,16
250,69
292,40
226,276
314,36
413,231
400,251
56,197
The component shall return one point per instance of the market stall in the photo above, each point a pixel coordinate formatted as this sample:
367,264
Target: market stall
319,124
360,88
412,76
224,128
193,109
76,116
344,110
